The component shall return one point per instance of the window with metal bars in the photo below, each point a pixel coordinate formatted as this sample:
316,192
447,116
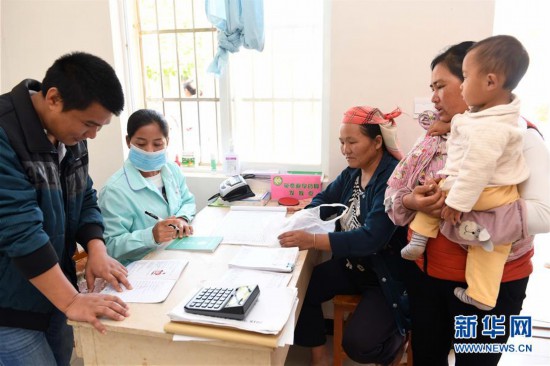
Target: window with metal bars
267,105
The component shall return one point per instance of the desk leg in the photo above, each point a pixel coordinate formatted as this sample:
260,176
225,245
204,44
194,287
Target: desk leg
312,259
87,350
77,343
278,356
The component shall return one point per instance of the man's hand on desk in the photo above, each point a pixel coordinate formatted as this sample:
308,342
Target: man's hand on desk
89,307
101,265
304,240
79,307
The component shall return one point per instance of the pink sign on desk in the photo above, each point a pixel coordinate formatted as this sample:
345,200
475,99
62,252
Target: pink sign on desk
299,186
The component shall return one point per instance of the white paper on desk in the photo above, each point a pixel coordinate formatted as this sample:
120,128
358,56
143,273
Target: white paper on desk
236,277
269,314
265,259
251,225
151,280
185,338
287,335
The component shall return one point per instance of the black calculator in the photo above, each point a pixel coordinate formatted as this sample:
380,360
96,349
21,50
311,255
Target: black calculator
224,302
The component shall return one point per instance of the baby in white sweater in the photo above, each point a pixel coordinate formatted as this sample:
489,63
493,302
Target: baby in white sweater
484,162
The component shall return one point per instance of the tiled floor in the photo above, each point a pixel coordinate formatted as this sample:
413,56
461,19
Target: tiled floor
299,356
76,361
536,305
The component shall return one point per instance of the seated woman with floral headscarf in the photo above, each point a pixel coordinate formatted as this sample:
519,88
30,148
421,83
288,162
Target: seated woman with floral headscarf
365,247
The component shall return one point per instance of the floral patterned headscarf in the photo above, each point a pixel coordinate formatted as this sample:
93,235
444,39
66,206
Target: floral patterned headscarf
362,115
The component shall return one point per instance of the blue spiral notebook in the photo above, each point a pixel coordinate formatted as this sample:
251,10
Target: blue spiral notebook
196,243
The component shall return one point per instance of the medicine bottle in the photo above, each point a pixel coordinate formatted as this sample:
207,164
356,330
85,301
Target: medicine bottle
188,159
231,164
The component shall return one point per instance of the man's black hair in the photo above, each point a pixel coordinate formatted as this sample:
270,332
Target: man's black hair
82,79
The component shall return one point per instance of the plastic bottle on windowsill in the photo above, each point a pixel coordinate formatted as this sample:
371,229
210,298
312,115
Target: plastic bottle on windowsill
213,163
231,162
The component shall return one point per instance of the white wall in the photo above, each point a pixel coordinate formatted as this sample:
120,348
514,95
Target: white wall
379,54
35,33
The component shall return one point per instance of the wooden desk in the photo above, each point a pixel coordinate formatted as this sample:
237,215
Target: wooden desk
141,340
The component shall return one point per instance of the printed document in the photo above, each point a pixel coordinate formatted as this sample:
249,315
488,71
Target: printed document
236,277
152,280
266,259
251,225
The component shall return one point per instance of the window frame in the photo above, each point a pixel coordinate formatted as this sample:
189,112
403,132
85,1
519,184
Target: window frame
136,97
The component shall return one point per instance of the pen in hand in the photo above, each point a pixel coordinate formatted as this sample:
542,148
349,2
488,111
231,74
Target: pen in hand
159,219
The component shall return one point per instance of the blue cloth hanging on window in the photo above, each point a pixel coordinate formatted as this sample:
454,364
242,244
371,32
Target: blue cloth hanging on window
239,23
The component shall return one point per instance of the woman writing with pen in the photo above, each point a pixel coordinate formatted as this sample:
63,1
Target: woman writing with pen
147,201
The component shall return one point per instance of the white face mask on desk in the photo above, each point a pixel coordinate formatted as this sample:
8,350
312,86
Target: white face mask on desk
310,220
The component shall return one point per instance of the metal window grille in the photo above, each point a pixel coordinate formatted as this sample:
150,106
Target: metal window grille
176,42
268,105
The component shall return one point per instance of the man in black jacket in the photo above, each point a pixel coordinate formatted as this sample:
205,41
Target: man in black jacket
47,205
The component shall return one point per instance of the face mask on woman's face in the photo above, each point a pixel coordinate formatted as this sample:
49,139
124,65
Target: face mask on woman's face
147,161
